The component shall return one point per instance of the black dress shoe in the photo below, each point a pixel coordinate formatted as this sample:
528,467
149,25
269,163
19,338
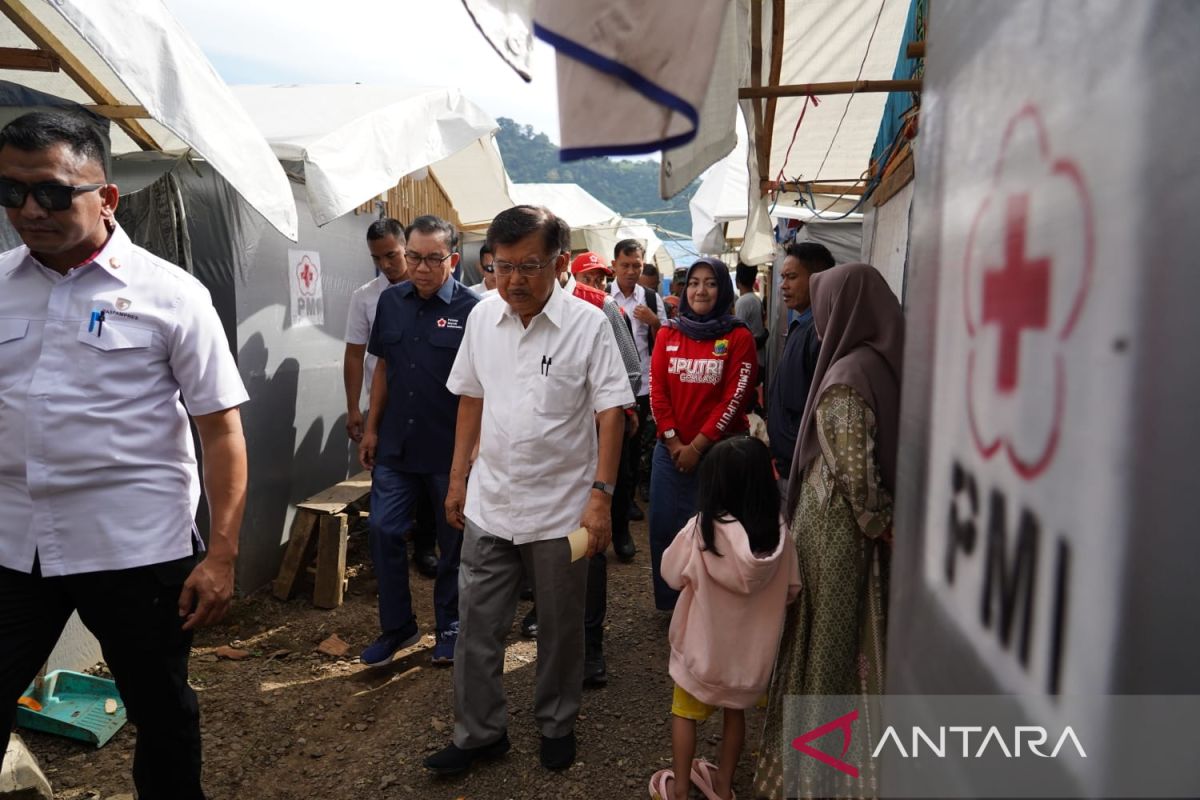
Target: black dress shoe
625,549
454,760
427,563
595,670
635,513
559,753
529,626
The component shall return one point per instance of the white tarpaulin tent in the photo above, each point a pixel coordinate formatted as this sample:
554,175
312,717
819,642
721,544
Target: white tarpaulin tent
476,182
358,141
594,226
130,61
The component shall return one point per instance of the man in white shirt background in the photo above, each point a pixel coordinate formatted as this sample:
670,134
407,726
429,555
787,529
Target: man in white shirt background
385,241
542,391
101,345
647,313
488,283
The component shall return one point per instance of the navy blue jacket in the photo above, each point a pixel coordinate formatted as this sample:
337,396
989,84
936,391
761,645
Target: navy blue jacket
418,340
789,389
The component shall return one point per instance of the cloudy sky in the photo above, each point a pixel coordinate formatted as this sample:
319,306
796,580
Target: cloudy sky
398,42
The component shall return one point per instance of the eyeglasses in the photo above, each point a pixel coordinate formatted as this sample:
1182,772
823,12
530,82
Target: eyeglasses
433,261
50,196
528,270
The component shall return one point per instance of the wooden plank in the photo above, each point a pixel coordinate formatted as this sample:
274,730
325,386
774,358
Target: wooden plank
756,57
303,525
119,112
764,153
335,499
331,561
915,49
28,59
815,188
830,87
896,178
28,23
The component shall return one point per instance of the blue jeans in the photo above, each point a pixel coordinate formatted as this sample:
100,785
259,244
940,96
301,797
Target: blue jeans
394,498
672,503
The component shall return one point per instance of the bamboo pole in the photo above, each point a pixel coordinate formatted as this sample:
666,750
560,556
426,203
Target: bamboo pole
832,87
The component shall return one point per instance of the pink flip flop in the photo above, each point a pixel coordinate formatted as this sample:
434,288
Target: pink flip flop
702,777
658,784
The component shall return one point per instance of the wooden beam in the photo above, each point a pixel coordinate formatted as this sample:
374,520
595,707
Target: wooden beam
28,59
764,154
915,49
119,112
815,188
897,177
28,23
833,87
330,582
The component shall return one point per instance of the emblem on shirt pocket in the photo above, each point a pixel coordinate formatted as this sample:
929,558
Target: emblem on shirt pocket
721,347
123,304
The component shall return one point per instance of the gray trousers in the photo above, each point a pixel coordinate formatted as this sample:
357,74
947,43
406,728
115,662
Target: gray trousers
489,582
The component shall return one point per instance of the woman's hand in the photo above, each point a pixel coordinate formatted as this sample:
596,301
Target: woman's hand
674,447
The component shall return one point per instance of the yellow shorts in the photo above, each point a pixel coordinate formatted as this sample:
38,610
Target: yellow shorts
684,705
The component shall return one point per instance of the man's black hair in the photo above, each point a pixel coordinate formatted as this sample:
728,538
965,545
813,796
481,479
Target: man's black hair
514,224
745,275
627,247
815,257
382,228
649,270
429,224
486,250
41,130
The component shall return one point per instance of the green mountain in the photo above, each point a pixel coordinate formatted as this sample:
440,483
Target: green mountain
624,185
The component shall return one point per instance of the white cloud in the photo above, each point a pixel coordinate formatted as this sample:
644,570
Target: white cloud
399,42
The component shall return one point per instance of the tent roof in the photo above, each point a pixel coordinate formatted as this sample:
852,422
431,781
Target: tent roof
144,72
476,182
358,141
594,226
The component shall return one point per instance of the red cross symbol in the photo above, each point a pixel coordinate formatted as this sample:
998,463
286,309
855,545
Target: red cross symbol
1016,296
307,274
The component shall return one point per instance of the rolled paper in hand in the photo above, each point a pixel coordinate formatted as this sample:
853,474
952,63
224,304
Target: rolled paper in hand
578,539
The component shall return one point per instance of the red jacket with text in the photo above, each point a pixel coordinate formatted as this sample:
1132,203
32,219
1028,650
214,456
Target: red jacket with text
702,386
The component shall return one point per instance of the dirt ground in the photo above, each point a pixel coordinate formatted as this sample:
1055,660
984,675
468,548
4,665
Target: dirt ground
288,723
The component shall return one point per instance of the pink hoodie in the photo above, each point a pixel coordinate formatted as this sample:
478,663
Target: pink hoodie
726,627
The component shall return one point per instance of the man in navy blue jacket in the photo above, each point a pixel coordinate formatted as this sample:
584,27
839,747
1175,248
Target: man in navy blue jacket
409,438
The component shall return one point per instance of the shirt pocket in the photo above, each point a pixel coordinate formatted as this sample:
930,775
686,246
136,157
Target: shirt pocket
14,358
561,392
116,359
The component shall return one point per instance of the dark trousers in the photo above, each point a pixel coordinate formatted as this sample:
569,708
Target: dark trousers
672,504
634,451
394,496
134,613
424,533
597,575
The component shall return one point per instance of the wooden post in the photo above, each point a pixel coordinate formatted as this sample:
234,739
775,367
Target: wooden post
294,559
331,561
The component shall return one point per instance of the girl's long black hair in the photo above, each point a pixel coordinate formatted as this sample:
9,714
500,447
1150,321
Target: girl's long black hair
737,483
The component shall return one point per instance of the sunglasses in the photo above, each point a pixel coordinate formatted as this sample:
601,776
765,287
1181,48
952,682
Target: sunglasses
50,196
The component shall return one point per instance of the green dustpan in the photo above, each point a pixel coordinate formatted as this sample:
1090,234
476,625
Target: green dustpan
73,705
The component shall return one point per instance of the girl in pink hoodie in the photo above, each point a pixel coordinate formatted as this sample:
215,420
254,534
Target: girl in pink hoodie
736,568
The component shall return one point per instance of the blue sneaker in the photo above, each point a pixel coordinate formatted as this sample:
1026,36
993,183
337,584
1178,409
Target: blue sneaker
383,650
443,650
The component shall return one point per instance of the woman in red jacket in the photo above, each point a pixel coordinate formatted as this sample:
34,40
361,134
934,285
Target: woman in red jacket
701,376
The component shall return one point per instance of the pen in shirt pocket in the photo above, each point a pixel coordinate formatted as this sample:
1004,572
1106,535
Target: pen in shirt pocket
96,322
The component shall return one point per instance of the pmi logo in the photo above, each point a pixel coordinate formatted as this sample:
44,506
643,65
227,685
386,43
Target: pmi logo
976,741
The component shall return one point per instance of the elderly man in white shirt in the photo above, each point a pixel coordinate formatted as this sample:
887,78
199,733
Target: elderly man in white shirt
542,391
101,345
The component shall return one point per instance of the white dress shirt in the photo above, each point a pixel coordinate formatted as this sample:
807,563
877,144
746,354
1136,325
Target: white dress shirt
641,339
360,320
541,387
97,467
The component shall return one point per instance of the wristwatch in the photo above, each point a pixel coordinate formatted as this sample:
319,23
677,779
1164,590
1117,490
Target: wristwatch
607,488
668,434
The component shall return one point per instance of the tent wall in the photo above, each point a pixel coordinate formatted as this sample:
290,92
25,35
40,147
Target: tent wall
295,420
885,237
